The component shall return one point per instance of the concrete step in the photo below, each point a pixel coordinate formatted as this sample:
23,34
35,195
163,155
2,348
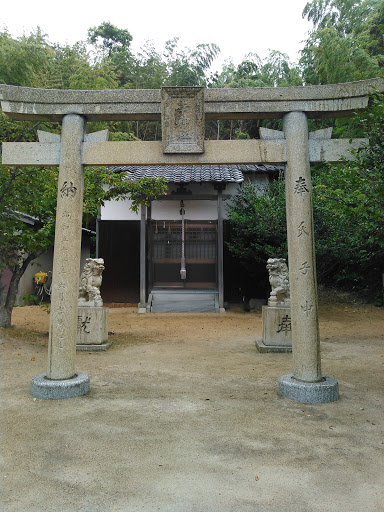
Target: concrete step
184,302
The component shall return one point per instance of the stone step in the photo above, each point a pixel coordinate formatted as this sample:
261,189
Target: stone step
184,302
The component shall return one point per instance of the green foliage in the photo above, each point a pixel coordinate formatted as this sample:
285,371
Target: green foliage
331,58
259,232
257,214
29,299
346,15
353,195
28,207
110,38
103,184
346,43
189,66
274,71
112,46
25,190
33,191
26,60
72,68
149,70
348,204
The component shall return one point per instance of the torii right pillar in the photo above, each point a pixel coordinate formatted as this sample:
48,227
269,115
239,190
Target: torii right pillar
306,384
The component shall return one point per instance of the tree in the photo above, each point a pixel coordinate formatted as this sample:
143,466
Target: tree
348,202
26,60
72,68
150,68
32,61
258,227
274,71
346,16
33,191
188,66
112,46
258,221
110,38
346,42
353,195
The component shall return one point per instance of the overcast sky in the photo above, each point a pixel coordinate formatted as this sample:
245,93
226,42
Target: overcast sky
238,28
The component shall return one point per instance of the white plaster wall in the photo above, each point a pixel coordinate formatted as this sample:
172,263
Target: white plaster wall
194,210
161,210
118,210
170,210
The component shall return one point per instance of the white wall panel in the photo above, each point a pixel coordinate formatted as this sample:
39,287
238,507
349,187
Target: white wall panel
170,210
194,210
118,210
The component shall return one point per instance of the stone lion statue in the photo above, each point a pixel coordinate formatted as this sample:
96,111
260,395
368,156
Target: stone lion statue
279,281
90,282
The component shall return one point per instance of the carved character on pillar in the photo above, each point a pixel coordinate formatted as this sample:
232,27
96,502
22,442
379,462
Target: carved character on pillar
301,186
90,282
279,281
68,189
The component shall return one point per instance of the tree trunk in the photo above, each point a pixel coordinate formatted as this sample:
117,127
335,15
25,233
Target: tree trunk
6,305
5,317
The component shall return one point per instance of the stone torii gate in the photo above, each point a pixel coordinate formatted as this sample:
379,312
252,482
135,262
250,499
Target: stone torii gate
182,112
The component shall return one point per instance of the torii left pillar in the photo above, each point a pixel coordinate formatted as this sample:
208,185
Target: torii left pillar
61,379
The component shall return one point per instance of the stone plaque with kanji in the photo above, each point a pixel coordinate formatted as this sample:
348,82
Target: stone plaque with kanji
182,119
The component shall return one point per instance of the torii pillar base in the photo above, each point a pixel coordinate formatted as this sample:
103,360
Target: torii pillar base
324,391
49,389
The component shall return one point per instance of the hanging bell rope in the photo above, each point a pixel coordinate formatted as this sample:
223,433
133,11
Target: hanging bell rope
183,270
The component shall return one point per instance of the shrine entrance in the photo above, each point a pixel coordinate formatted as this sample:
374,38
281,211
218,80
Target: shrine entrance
183,112
199,239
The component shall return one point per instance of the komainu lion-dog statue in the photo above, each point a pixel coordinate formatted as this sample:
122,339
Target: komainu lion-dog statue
90,282
279,281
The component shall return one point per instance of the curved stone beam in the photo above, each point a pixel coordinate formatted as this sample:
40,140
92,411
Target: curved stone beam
336,100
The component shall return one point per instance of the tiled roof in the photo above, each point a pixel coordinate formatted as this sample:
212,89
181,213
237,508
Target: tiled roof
195,173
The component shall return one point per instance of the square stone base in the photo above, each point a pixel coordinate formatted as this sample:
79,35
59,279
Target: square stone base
95,348
261,347
277,336
92,326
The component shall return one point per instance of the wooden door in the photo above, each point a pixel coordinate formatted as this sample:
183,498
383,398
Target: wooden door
200,238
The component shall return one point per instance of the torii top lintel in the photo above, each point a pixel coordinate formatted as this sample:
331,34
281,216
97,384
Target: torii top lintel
320,101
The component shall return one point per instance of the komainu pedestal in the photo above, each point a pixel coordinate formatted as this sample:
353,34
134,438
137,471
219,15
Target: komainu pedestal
276,323
92,328
276,317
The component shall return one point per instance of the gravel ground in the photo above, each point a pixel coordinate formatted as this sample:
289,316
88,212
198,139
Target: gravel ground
183,415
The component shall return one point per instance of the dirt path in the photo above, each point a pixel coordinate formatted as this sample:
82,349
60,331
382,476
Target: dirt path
183,415
336,320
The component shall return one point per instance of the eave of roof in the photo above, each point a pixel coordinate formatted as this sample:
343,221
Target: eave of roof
224,173
29,219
